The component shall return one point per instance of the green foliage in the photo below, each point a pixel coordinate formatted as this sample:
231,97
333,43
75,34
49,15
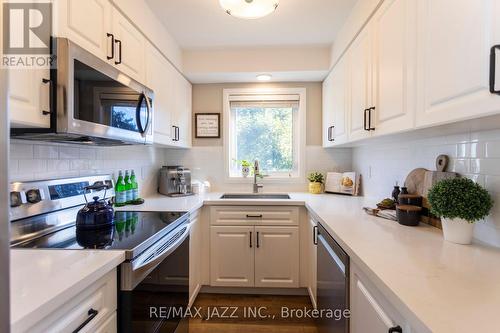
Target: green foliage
243,163
460,198
265,134
315,177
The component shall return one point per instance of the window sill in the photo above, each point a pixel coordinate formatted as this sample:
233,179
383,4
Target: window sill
266,180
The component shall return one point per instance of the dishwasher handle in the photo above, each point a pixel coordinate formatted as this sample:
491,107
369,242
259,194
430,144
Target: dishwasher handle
332,253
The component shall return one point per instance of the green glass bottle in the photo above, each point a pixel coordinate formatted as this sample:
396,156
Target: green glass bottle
120,191
134,186
128,188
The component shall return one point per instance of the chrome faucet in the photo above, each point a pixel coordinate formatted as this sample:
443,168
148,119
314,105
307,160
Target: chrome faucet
256,173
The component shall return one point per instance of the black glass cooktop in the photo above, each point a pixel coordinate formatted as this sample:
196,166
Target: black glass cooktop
132,231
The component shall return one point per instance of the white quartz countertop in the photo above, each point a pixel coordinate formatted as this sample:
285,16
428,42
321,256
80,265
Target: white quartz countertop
439,286
43,280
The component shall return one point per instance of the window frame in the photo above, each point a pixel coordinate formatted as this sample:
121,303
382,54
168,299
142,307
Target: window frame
299,130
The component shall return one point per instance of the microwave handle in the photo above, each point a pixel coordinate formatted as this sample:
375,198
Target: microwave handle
143,129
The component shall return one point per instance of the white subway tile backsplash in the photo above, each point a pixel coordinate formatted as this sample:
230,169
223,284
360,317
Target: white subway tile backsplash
21,151
474,155
46,152
68,152
48,161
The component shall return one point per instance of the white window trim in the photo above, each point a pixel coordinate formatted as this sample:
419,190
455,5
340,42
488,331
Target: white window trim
229,94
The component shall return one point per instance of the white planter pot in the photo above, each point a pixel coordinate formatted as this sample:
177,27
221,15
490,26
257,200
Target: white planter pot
457,231
245,171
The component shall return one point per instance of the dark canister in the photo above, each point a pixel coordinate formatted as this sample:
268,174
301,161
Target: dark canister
408,215
410,199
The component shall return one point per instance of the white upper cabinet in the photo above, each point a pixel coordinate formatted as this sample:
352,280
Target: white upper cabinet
130,47
87,23
335,105
394,57
327,93
160,78
29,98
454,41
182,117
360,74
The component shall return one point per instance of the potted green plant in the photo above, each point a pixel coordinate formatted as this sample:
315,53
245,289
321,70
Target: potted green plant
245,168
460,203
315,182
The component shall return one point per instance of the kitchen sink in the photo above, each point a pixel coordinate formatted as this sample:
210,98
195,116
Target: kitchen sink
254,196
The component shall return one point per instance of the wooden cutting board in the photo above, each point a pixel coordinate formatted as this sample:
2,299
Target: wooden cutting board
415,181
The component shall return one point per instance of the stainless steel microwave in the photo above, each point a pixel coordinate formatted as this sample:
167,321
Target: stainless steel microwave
92,102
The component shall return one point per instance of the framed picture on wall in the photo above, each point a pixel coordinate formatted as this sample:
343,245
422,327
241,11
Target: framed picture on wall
207,125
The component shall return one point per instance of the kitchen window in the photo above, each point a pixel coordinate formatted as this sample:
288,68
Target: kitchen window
268,126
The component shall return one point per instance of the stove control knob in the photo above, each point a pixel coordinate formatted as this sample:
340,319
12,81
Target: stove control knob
33,196
15,199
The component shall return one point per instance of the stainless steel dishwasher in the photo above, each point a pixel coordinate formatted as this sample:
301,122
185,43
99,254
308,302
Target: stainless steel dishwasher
332,282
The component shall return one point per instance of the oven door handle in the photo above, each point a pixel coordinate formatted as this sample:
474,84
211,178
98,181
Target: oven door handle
142,265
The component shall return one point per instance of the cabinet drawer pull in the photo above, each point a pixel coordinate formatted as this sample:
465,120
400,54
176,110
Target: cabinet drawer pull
493,60
109,57
254,216
258,243
395,329
92,314
250,239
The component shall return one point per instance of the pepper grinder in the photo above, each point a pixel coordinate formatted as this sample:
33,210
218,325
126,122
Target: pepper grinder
396,192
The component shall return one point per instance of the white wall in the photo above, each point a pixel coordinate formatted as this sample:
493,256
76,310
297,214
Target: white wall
473,154
49,161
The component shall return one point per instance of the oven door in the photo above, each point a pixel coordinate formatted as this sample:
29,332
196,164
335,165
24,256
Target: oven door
154,288
95,99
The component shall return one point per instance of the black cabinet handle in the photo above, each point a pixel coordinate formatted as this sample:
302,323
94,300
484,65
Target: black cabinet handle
254,216
330,133
370,128
258,243
49,82
315,235
395,329
119,42
493,60
177,133
365,123
112,46
250,239
92,314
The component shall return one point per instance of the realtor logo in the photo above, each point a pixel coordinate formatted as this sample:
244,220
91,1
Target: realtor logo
27,28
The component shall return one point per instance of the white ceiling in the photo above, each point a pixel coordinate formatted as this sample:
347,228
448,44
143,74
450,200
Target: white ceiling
201,24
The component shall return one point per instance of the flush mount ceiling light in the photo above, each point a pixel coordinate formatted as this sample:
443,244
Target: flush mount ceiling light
264,77
249,9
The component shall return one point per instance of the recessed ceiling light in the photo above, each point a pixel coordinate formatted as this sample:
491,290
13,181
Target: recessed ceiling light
264,77
249,9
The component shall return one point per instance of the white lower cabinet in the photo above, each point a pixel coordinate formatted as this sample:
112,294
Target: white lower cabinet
232,256
195,253
370,311
252,252
313,260
276,254
93,310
